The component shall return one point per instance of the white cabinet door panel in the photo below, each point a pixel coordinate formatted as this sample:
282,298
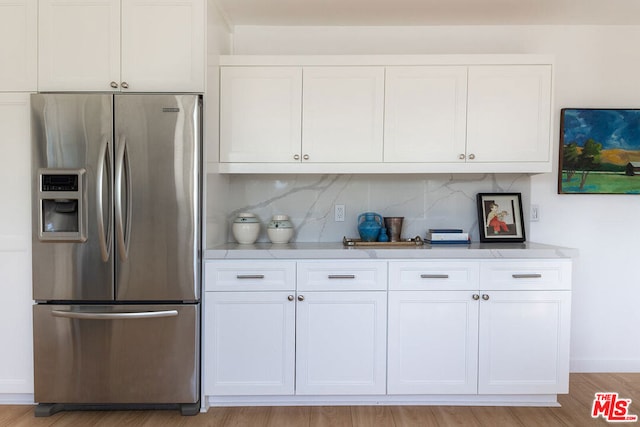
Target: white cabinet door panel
524,342
249,343
16,359
340,343
79,45
509,113
425,114
433,342
18,45
260,114
163,45
343,114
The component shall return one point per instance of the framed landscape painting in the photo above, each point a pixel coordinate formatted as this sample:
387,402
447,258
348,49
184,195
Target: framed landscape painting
599,151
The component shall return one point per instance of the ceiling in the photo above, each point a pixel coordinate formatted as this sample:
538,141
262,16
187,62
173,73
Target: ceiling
430,12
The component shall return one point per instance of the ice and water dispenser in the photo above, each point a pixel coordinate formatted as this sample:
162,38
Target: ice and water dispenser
62,206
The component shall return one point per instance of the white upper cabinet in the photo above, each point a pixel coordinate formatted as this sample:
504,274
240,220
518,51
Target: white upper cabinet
18,45
260,114
425,114
109,45
386,114
301,114
163,45
508,115
343,110
79,45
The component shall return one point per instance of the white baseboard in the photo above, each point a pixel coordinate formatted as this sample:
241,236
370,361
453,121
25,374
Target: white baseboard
16,399
548,400
593,365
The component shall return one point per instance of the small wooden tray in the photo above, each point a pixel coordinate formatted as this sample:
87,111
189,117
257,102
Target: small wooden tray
416,241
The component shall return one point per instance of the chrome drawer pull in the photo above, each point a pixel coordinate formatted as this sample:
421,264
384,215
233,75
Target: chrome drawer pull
527,276
250,276
434,276
342,276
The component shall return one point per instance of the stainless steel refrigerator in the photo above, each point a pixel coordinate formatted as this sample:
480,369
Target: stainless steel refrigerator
116,250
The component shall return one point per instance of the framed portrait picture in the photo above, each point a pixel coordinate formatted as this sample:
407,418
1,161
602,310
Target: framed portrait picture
500,217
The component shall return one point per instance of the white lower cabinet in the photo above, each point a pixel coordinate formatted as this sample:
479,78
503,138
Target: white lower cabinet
341,343
472,330
524,342
249,343
433,342
484,340
332,338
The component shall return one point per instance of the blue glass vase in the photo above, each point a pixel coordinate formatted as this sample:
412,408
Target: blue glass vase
369,225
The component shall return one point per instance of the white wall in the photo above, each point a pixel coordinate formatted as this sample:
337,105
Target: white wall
596,66
216,186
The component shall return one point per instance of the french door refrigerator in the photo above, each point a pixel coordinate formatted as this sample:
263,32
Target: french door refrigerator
116,250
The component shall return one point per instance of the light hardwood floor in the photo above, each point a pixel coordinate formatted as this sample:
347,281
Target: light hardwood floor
575,411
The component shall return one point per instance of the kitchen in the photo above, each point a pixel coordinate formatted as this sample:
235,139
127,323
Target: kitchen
595,66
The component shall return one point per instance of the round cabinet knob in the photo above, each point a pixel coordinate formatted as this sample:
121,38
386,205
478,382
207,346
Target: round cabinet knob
485,297
300,297
461,156
475,297
125,85
305,157
114,85
296,157
290,298
472,156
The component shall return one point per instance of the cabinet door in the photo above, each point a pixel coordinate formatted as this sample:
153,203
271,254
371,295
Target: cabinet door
524,342
79,45
260,114
163,45
509,113
340,343
16,359
342,114
249,343
18,45
425,114
433,342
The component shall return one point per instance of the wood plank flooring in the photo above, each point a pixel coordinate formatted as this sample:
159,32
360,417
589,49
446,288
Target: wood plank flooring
575,411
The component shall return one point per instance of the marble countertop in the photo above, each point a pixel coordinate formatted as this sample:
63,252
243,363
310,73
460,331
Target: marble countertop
330,250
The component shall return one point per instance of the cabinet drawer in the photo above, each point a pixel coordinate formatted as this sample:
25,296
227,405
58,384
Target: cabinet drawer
342,276
526,275
433,275
250,276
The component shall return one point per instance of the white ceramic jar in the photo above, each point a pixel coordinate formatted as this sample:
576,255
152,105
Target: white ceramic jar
246,228
280,229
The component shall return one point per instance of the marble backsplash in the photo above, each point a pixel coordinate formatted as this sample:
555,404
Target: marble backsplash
425,201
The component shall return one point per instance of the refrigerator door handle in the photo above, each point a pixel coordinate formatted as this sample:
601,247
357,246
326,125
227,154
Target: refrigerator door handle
114,316
104,236
122,224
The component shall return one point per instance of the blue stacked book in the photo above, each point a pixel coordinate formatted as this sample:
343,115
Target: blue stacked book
447,236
